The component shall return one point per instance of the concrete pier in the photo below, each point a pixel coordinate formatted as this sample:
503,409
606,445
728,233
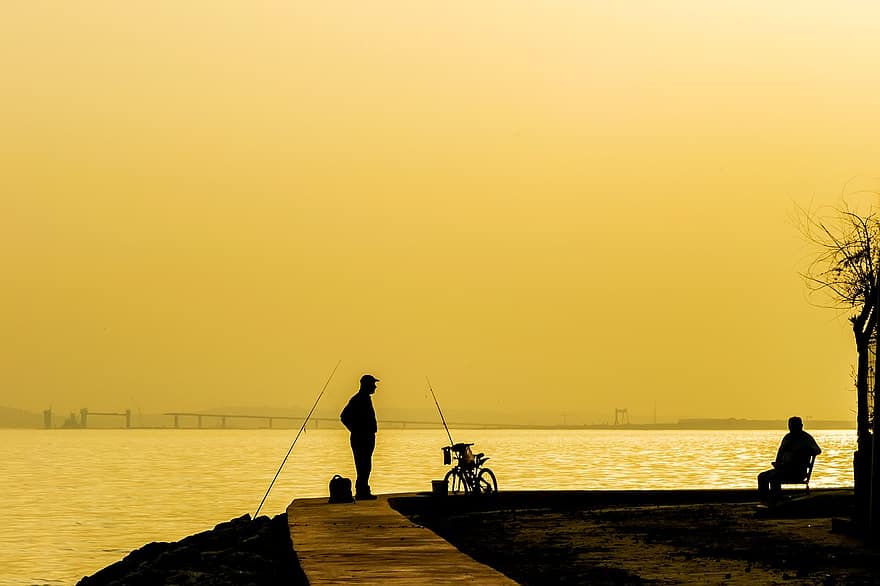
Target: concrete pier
368,542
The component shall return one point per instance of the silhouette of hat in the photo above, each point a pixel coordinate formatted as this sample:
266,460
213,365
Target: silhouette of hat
367,378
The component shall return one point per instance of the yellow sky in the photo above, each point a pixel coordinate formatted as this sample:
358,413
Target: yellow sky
548,207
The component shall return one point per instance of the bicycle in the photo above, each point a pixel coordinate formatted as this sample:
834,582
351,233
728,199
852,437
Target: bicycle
468,476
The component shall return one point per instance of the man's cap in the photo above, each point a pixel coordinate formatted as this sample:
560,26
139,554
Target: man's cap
368,378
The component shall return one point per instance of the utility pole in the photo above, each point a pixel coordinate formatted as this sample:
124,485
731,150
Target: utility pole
872,484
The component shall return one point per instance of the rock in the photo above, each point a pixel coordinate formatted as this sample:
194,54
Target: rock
239,551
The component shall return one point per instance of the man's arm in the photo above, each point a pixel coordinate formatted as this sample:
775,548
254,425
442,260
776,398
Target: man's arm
780,453
347,416
814,446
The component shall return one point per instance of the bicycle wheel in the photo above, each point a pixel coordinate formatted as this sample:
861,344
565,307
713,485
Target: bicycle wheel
455,482
486,481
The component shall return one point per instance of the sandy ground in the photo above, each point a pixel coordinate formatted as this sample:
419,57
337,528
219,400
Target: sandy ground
543,538
654,538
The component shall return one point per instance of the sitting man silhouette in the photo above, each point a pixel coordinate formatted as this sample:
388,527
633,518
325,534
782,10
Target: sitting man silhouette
792,460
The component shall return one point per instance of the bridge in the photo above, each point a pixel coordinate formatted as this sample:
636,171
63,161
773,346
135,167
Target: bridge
200,417
269,419
203,420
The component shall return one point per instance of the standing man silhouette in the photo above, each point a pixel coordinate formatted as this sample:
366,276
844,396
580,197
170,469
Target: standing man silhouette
359,418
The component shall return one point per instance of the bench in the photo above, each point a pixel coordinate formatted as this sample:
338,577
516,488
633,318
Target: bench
806,480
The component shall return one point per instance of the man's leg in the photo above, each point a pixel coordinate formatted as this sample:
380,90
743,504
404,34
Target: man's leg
775,485
362,447
765,480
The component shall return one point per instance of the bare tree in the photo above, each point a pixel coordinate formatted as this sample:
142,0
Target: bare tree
844,276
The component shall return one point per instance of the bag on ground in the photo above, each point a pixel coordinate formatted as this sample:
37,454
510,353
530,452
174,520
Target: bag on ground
340,490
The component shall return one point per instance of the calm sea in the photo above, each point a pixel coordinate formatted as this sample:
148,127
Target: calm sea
77,500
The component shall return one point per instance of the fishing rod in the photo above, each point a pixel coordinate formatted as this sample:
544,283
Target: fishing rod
443,419
306,420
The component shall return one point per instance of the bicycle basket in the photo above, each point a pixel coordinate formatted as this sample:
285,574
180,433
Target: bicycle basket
466,456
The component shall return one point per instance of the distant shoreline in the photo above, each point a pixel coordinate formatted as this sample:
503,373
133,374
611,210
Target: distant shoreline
682,425
241,418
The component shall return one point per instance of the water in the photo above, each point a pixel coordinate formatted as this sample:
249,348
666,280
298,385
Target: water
75,501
